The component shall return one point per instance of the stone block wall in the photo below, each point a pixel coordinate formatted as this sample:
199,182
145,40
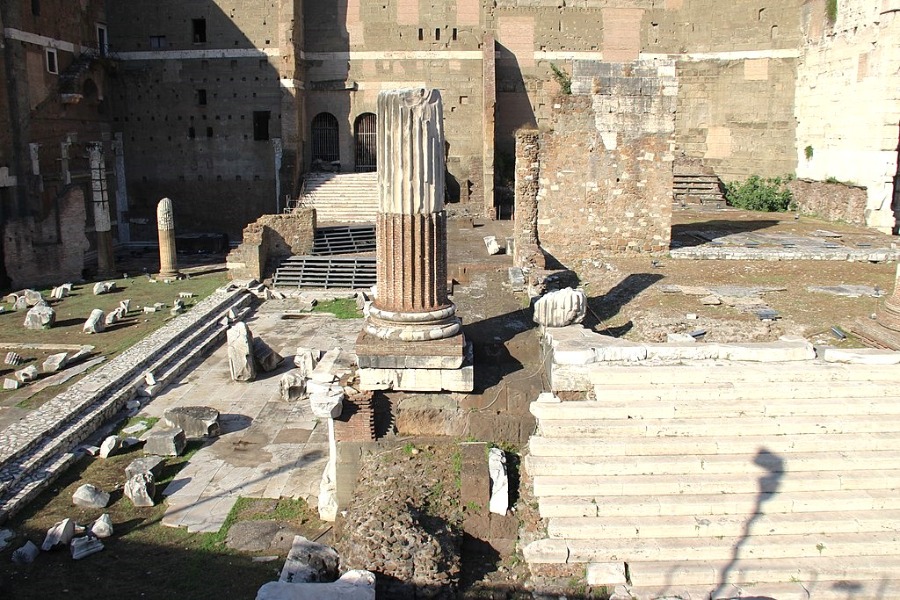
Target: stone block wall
848,101
830,201
606,162
271,239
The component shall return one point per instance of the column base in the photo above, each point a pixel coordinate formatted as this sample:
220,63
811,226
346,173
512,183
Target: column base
176,275
435,366
888,315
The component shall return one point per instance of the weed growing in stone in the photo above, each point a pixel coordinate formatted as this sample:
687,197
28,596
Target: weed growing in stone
342,308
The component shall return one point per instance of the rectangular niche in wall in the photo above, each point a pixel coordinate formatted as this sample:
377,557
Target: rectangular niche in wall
199,30
261,124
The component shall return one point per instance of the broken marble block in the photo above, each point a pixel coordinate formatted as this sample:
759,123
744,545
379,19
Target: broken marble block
499,502
560,308
103,526
104,287
325,400
306,360
352,585
266,358
293,386
55,362
28,374
95,323
125,305
88,496
59,292
147,464
309,562
85,546
20,303
60,533
490,242
33,297
111,318
240,352
26,554
40,316
13,358
140,489
110,446
11,384
195,421
165,442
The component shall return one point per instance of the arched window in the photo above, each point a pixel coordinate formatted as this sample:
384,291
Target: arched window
325,145
365,132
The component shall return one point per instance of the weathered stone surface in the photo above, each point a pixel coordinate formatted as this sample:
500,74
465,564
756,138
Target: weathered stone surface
88,496
11,384
306,360
490,242
560,308
41,316
104,287
103,526
110,446
140,489
309,562
147,464
195,421
95,323
499,481
55,362
5,536
680,338
607,573
59,292
546,551
13,358
20,303
293,386
28,374
26,554
353,585
862,356
260,536
125,305
266,358
165,442
85,546
326,401
33,297
60,533
418,380
111,318
240,352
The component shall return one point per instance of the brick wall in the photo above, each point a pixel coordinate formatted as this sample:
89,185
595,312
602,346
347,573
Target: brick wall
606,163
528,172
830,201
271,239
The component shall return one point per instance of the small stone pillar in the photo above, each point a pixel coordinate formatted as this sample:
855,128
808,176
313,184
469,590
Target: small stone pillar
527,253
165,223
888,314
412,337
106,262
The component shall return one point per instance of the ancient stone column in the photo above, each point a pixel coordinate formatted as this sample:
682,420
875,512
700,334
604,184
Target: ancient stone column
888,315
165,223
106,264
411,228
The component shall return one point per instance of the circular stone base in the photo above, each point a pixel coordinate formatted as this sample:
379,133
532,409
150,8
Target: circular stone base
413,326
889,315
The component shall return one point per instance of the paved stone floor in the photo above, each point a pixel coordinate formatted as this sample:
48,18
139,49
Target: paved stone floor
269,448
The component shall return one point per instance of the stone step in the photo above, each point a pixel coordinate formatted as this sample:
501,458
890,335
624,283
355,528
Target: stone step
631,549
636,428
702,392
702,527
748,444
716,504
824,460
637,485
725,408
810,569
808,590
734,373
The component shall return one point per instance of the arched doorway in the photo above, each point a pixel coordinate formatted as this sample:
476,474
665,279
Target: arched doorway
325,146
365,134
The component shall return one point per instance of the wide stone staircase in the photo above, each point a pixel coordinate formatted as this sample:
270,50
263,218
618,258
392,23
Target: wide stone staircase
342,197
724,480
343,257
696,188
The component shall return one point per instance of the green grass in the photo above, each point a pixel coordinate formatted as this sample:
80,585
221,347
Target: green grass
342,308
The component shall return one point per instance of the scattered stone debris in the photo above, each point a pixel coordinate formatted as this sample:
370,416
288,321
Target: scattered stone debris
103,526
55,362
95,323
149,309
240,352
309,562
13,358
85,546
110,446
266,358
352,585
11,384
165,442
26,554
499,502
60,534
848,291
40,316
490,242
20,303
59,292
111,318
325,400
147,464
186,295
196,421
33,297
140,489
28,374
560,308
5,536
293,386
104,287
125,305
306,360
88,496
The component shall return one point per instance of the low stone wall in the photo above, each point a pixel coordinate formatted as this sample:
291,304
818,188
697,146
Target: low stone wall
269,240
830,201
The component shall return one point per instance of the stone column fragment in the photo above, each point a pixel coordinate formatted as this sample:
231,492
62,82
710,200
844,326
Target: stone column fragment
411,232
102,224
165,223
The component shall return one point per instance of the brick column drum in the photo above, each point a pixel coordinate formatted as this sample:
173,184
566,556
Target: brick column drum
412,338
106,262
165,224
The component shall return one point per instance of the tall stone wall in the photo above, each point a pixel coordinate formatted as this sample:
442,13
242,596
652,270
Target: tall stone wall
606,162
847,102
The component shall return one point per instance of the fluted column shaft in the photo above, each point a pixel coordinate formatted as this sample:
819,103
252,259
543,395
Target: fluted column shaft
165,225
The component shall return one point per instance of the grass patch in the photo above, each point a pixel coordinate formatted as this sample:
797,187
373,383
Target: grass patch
759,194
342,308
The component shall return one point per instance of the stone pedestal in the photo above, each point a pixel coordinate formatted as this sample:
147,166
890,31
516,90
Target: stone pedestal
411,325
888,314
165,224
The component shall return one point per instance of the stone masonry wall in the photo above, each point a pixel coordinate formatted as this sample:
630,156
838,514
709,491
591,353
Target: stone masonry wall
830,201
271,239
606,163
847,101
528,171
